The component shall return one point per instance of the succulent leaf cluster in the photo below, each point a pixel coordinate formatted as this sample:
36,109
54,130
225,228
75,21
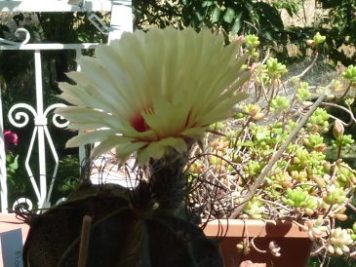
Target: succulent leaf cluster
305,185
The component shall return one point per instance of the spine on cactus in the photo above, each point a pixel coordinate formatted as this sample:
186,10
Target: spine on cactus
168,181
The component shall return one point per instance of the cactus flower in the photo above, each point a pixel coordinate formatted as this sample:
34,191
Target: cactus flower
150,91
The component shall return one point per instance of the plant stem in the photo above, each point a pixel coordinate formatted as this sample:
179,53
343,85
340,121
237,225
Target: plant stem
275,157
352,117
84,241
305,71
346,91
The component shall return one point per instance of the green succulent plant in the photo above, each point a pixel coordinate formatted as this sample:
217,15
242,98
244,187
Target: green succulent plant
319,39
350,74
334,195
303,91
299,198
255,209
306,184
275,69
339,241
279,104
251,41
318,122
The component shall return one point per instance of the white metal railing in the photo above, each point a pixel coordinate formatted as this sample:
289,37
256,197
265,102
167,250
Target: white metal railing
20,113
55,5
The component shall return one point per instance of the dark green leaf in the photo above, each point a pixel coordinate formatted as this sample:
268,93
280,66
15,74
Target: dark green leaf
229,15
292,9
237,24
330,3
215,15
269,15
207,3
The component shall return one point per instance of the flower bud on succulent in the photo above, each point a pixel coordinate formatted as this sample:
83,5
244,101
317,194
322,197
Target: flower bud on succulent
338,129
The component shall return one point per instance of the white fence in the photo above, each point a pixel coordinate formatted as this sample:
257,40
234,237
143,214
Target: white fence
20,113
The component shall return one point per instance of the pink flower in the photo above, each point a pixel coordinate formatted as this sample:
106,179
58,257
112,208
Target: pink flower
11,138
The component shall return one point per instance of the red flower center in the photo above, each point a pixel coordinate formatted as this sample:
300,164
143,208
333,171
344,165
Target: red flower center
138,123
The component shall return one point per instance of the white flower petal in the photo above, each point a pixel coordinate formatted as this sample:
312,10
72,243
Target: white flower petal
156,150
89,138
155,89
114,142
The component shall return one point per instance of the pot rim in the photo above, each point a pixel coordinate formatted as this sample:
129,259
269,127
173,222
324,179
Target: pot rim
253,228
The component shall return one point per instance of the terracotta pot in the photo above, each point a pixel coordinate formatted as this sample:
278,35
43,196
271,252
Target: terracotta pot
294,243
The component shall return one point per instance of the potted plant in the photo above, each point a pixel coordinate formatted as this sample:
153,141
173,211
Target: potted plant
150,96
274,163
153,96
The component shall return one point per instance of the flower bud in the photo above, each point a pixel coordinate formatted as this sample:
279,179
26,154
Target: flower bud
338,129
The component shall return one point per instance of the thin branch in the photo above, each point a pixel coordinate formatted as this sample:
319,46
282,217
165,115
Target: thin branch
342,122
353,255
349,205
273,203
253,245
266,57
265,171
352,117
317,251
305,71
346,91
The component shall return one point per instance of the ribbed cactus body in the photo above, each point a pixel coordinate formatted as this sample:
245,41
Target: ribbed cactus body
137,227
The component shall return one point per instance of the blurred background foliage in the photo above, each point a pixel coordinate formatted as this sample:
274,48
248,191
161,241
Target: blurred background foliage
335,19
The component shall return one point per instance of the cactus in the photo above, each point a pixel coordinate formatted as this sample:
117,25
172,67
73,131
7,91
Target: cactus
144,226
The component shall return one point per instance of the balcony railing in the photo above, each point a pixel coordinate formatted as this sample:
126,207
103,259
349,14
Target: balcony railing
42,180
